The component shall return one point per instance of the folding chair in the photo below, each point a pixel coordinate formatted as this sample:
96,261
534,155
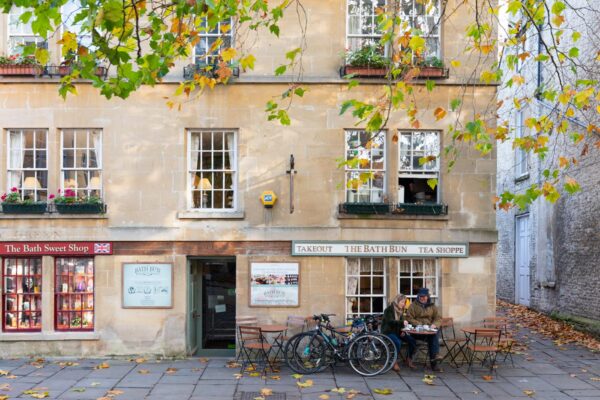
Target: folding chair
506,341
243,320
254,348
487,342
454,347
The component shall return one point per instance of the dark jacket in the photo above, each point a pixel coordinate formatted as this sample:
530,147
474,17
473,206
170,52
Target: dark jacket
390,324
423,314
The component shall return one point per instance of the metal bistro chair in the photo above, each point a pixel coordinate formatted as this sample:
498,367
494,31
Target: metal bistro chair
295,324
454,346
254,348
486,342
243,320
506,340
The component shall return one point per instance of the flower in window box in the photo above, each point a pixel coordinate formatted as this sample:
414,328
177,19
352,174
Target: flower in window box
20,65
368,61
67,202
431,67
13,203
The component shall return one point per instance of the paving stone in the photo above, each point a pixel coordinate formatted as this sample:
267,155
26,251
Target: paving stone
139,381
88,394
212,390
184,390
97,382
193,379
566,382
583,394
460,385
543,368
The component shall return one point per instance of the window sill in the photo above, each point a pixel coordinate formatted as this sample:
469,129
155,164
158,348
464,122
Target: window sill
48,336
53,216
394,217
210,215
522,178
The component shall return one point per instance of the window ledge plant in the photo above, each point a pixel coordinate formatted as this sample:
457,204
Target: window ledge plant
17,65
432,67
12,203
367,61
67,202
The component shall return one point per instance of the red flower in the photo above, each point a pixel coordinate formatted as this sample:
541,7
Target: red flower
14,189
51,196
3,197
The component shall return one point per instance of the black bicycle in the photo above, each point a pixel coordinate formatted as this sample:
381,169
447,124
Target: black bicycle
367,352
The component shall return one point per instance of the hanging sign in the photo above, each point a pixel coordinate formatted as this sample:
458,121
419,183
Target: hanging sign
383,249
55,248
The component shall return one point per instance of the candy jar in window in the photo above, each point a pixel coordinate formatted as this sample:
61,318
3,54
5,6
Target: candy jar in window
90,285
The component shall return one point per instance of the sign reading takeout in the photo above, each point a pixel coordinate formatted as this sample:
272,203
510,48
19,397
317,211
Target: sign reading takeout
385,249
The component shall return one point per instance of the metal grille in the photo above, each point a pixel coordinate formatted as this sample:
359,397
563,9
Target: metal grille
253,395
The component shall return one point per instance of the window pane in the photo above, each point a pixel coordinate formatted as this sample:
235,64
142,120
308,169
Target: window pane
74,286
22,294
424,273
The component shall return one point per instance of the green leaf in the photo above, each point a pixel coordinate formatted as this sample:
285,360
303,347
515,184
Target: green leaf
346,105
375,122
455,103
42,56
429,84
352,83
271,105
558,7
280,70
283,117
274,29
291,55
574,52
299,92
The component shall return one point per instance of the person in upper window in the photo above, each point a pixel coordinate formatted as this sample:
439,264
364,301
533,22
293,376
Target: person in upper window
424,312
394,319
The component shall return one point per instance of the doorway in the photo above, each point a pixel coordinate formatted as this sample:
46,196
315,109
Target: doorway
523,272
211,314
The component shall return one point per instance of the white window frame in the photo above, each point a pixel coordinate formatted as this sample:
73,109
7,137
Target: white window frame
365,187
233,170
427,35
435,293
430,170
34,169
206,58
88,148
22,31
374,36
521,156
384,297
67,25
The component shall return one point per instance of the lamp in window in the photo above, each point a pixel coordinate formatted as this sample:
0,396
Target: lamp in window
30,183
95,182
205,185
70,183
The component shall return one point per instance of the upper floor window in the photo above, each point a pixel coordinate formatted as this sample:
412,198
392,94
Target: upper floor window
81,162
365,166
424,16
212,169
521,158
212,41
416,147
71,23
28,163
362,23
20,33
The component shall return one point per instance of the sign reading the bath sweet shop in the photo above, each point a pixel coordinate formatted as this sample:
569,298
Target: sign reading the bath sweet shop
383,249
274,284
55,248
147,285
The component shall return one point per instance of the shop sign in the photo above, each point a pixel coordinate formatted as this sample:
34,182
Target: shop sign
274,284
55,248
147,285
374,249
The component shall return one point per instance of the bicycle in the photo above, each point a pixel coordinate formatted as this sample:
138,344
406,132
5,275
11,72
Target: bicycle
367,352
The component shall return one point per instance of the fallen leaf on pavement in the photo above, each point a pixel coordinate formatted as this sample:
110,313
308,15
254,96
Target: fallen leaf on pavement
595,378
233,364
321,397
297,376
573,375
94,383
259,398
102,366
254,374
428,381
5,387
266,392
2,372
487,377
238,376
40,395
339,390
528,392
3,397
78,389
171,370
305,384
140,360
385,391
143,371
104,398
114,392
11,377
275,377
204,359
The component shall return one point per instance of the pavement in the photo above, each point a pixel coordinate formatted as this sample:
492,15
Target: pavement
542,370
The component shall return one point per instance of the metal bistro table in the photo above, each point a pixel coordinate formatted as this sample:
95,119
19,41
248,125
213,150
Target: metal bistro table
278,332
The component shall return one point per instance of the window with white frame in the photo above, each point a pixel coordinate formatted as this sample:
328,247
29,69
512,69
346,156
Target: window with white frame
81,162
28,163
365,166
416,147
414,274
70,12
20,33
212,169
366,286
362,27
521,158
424,16
207,49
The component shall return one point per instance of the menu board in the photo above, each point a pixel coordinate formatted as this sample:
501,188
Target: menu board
274,284
147,285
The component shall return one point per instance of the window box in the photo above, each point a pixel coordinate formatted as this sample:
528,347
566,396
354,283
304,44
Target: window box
208,70
364,208
63,70
21,70
433,72
33,208
81,208
421,209
364,72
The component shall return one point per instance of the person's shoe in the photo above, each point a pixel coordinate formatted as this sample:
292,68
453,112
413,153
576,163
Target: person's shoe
435,367
410,363
396,367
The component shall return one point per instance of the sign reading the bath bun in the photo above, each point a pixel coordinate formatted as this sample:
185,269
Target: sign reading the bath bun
55,248
383,249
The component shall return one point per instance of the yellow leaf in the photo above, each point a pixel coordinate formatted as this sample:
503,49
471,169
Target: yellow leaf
266,392
40,395
102,366
518,79
528,392
487,377
321,397
297,376
570,112
416,44
5,397
385,391
140,360
455,63
2,372
486,48
275,377
143,371
171,370
439,113
563,162
68,42
114,392
228,54
598,109
339,390
487,76
204,360
254,374
305,384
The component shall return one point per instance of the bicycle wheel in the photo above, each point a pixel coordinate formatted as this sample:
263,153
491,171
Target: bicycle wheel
306,353
368,355
392,350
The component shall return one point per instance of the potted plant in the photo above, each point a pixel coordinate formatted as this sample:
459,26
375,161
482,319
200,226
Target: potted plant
67,202
19,65
368,61
13,204
365,208
432,67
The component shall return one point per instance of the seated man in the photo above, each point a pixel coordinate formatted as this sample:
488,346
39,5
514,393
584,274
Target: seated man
424,312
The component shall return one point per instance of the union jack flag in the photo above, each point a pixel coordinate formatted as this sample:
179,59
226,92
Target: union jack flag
101,248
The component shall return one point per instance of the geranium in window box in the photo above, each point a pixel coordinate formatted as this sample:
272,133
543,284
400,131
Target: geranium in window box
421,209
366,62
365,208
69,203
17,65
13,204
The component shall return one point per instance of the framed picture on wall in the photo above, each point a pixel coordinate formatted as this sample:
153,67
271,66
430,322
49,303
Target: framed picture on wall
147,285
274,284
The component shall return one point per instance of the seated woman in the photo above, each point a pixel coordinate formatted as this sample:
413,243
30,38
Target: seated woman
392,324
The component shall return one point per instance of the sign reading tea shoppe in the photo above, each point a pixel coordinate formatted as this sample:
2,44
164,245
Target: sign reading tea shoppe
383,249
274,284
55,248
147,285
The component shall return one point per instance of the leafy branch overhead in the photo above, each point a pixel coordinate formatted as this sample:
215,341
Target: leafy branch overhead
504,44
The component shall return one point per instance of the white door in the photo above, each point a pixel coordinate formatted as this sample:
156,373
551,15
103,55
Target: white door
523,272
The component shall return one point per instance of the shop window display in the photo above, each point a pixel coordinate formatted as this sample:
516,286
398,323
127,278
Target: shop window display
74,287
22,294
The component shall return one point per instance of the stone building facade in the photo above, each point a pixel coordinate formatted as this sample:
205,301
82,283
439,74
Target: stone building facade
179,237
547,253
